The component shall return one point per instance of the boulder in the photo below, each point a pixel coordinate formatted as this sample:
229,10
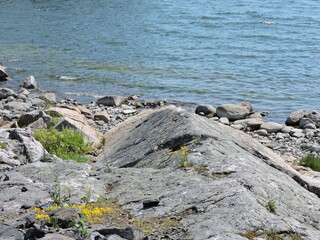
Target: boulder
233,194
271,127
224,121
262,132
206,110
66,112
38,124
255,115
7,92
65,216
20,147
303,121
85,111
294,118
37,102
314,116
253,123
111,100
102,116
17,106
232,111
3,75
29,83
48,97
91,135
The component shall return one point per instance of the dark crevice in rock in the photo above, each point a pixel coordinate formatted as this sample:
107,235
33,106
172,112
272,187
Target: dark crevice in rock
175,143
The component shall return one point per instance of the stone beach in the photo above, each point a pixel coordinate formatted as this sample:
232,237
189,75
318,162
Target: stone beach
209,173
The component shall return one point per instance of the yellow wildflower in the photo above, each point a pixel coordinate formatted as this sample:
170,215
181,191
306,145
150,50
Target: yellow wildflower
184,154
184,148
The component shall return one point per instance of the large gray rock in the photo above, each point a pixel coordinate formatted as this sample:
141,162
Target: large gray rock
65,216
243,177
29,83
314,116
6,92
294,118
232,111
19,147
253,123
111,100
3,75
206,110
16,106
271,127
48,97
91,135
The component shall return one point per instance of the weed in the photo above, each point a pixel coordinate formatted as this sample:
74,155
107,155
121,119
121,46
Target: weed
271,206
273,235
87,197
81,226
67,144
197,139
54,223
54,121
102,143
57,196
183,156
311,162
47,104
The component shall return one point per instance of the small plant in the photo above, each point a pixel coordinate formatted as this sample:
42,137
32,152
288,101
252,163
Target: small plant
311,162
273,235
102,143
47,104
67,144
183,155
57,196
87,197
197,139
54,121
3,145
271,206
81,226
54,222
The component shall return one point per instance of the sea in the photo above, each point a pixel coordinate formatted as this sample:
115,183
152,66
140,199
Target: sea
188,52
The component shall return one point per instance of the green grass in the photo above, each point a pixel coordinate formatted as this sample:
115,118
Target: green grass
67,144
311,162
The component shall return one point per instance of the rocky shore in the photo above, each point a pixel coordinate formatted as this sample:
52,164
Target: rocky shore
155,171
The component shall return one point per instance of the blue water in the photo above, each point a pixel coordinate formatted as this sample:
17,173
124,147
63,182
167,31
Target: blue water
214,52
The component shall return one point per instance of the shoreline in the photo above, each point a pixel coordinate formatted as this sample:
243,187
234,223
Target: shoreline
155,166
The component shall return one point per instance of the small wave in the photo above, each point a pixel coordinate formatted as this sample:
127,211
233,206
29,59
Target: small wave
68,78
83,94
269,23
